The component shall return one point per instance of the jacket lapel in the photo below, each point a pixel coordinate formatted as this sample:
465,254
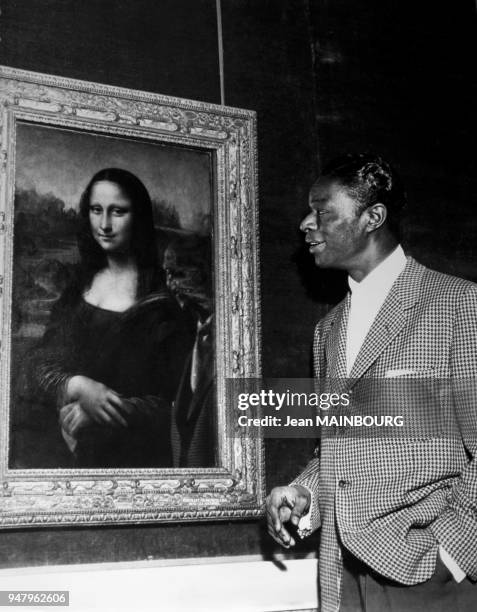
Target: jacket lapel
335,347
389,321
391,318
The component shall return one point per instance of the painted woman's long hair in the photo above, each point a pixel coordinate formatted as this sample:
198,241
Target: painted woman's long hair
143,238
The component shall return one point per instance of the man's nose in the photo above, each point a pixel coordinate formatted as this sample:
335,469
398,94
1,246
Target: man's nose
309,222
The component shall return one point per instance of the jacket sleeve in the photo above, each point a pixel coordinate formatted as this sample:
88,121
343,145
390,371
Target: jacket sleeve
309,478
456,528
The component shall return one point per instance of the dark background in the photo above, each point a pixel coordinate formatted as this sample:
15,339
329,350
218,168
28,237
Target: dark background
325,77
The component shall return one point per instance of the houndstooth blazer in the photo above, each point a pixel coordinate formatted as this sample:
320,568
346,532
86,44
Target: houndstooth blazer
392,500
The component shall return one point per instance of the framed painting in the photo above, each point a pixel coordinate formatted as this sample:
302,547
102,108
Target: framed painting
129,296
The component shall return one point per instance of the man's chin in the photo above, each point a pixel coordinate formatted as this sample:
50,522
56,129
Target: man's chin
320,261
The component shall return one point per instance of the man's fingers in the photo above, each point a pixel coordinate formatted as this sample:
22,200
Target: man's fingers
282,537
274,535
274,520
284,514
302,504
283,505
295,519
297,511
286,538
280,504
273,513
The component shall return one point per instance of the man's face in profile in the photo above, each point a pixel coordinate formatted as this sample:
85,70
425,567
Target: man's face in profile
335,228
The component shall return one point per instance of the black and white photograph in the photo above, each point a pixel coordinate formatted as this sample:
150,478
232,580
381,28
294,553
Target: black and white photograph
238,305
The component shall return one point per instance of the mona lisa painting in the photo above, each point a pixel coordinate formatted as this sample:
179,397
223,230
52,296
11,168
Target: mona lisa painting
100,340
124,307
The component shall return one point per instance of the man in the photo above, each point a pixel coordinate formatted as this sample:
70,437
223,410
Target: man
398,515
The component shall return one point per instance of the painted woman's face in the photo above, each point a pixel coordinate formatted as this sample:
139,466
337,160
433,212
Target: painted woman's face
111,217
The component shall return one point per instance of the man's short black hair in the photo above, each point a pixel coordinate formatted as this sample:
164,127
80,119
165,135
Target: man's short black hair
370,179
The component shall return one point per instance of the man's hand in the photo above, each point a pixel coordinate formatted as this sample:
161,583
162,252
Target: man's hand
286,504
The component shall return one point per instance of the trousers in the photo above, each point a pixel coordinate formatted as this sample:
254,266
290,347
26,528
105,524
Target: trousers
363,590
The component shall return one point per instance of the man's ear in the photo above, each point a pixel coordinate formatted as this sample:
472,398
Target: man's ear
377,215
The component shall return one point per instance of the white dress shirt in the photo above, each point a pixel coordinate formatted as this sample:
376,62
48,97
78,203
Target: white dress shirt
367,297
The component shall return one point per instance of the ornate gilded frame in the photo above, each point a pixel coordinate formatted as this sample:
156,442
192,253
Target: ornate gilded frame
234,489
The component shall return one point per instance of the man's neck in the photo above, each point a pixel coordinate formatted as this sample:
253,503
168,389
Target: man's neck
376,253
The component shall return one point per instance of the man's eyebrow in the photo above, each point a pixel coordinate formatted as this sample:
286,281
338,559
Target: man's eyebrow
318,200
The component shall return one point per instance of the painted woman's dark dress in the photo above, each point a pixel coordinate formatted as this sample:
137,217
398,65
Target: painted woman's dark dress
138,353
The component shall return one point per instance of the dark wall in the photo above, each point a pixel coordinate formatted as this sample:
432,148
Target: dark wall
168,47
399,76
324,76
268,67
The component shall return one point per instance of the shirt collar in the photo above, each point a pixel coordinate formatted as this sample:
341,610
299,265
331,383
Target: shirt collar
380,280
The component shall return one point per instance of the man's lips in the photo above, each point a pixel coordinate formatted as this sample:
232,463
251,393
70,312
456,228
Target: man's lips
313,244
